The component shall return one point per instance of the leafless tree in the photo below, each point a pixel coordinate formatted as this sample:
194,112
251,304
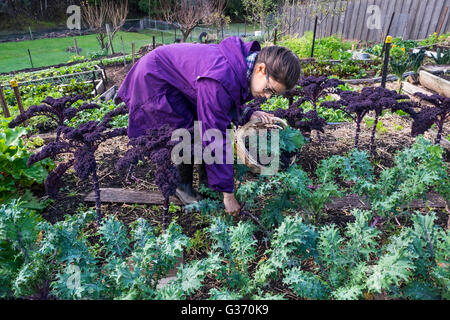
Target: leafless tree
95,16
187,14
117,13
102,12
218,18
325,9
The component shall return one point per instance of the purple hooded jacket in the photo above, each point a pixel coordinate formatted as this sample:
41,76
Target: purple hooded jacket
181,83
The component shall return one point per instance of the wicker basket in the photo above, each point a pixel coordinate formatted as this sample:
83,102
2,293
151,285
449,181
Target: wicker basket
243,131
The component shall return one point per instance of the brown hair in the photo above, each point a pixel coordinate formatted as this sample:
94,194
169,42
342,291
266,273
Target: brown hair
282,64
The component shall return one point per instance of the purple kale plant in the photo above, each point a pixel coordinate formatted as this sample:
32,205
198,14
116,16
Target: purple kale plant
81,142
305,122
437,114
156,146
57,110
313,88
358,104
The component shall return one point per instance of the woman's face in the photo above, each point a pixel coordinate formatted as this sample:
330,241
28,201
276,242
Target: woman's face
263,85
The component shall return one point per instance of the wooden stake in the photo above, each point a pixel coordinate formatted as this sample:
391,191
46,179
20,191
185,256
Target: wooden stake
15,87
153,42
76,46
275,36
4,105
438,31
31,33
387,32
314,37
388,43
123,52
31,60
108,30
132,52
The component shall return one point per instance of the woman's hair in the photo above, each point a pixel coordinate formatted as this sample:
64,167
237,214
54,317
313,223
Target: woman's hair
281,63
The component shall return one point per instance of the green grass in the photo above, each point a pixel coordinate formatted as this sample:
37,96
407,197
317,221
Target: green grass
46,52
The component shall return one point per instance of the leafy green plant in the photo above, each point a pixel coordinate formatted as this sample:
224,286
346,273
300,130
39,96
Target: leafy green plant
133,265
14,172
417,170
442,56
399,65
24,272
326,48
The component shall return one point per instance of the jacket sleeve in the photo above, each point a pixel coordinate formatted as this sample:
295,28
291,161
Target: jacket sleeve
214,106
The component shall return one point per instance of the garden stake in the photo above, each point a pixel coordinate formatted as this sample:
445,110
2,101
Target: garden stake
76,46
31,33
438,31
153,42
123,52
314,37
275,36
386,61
132,53
31,60
6,113
109,37
15,87
387,32
175,40
162,37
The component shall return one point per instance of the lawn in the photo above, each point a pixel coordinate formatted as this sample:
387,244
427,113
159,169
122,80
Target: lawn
46,52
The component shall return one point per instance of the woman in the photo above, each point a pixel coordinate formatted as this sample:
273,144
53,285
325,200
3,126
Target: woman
181,83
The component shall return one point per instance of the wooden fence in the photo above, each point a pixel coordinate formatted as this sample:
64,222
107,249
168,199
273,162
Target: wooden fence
413,19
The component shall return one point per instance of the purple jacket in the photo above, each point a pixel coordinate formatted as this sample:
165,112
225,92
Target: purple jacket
179,83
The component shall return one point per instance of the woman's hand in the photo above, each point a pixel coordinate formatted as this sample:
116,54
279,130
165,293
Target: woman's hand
231,205
264,116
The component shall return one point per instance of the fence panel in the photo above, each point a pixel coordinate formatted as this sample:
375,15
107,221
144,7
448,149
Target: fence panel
413,19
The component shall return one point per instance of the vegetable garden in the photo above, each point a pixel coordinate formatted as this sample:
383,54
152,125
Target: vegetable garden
362,213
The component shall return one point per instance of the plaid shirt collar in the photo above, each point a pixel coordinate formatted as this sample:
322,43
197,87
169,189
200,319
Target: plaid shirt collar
250,59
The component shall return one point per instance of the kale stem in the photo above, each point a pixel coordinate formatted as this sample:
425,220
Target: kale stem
97,194
358,130
267,233
440,125
165,212
374,130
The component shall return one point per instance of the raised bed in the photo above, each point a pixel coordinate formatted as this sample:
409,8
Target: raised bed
434,83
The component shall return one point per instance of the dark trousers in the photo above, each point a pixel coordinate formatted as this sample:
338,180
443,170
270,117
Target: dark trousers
186,172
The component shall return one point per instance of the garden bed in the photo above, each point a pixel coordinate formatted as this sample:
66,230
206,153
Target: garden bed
326,194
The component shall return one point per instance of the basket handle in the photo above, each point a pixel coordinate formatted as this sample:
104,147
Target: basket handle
259,120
